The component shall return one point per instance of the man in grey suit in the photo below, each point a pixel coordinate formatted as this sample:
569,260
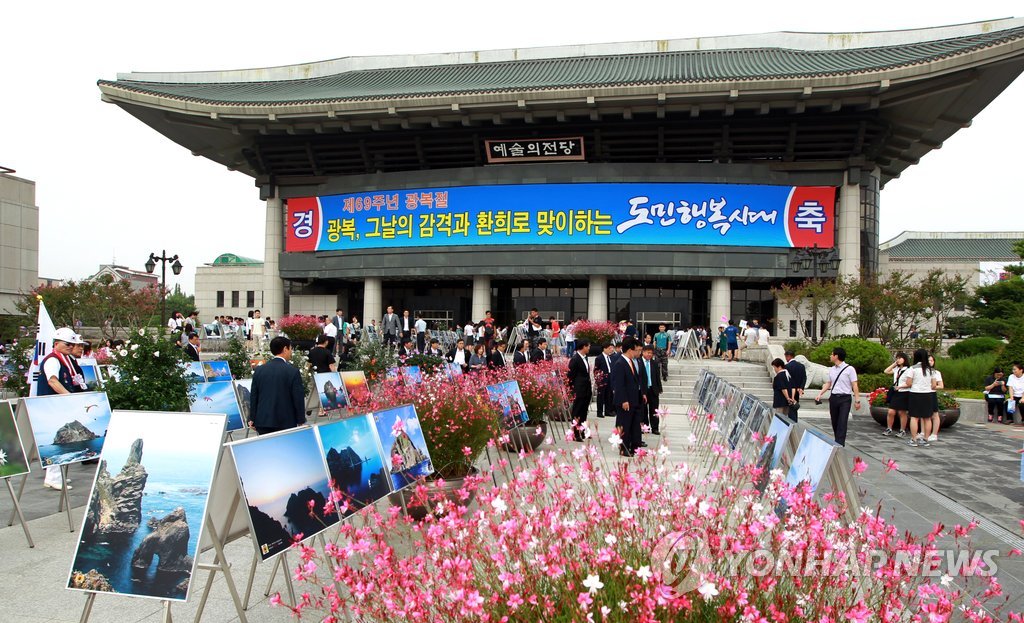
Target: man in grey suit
389,327
277,399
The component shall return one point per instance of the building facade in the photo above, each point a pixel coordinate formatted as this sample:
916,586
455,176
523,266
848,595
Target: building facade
977,257
19,240
231,285
667,181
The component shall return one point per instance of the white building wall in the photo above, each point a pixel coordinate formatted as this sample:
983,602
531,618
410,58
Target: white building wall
228,278
19,240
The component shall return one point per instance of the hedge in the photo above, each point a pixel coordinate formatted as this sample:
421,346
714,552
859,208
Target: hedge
975,346
866,357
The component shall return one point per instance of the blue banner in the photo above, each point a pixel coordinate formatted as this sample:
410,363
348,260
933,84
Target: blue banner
745,215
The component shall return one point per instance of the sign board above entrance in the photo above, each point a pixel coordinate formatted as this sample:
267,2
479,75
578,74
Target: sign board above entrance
535,150
740,215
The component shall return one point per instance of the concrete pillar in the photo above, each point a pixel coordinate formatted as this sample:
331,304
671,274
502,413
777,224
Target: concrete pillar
721,301
273,285
848,238
373,304
597,298
481,296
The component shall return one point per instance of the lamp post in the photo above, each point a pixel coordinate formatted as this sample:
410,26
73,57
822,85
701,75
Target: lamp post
820,262
151,266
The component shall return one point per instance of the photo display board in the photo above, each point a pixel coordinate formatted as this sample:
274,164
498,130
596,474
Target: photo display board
331,391
68,428
279,474
355,461
356,388
144,520
13,461
508,396
402,444
218,397
812,459
91,374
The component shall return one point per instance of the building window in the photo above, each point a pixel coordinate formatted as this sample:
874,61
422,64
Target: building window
792,328
234,298
250,298
869,194
220,298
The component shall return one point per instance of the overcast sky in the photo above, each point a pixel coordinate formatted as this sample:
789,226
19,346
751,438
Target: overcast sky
110,188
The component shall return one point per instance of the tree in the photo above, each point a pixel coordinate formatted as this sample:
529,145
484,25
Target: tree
943,293
92,303
820,300
893,306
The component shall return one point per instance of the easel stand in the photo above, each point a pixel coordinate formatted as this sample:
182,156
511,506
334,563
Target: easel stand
220,563
17,512
87,610
64,504
279,562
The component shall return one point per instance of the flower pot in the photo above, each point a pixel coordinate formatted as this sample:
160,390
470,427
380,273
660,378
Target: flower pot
526,437
447,494
947,417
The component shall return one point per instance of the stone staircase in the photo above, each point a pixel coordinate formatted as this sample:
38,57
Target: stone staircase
683,374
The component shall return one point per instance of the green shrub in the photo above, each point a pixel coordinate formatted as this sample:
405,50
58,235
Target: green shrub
870,382
799,347
1013,352
975,346
866,357
967,373
150,376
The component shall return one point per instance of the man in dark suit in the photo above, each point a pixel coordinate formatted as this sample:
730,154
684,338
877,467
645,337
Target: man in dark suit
522,354
628,396
579,378
192,348
277,399
435,348
541,353
603,380
407,349
798,380
652,381
496,360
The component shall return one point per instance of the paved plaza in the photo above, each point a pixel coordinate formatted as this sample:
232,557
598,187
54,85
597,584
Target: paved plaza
973,472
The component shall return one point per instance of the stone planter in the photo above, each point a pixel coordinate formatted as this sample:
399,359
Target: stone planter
448,493
526,438
947,417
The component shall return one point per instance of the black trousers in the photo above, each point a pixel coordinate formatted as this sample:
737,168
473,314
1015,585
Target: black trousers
421,341
794,408
604,402
628,422
997,406
653,401
580,405
390,338
839,409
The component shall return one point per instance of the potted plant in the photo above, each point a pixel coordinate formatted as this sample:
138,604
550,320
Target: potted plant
302,330
458,420
878,406
949,408
596,332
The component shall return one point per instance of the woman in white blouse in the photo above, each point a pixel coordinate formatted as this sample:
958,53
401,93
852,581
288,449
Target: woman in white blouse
920,379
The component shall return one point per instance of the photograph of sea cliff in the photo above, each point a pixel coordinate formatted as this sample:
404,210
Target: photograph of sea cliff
354,462
402,444
12,455
280,474
331,391
68,428
216,371
218,397
145,514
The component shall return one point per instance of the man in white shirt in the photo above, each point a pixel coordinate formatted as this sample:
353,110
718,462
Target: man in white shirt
331,331
842,381
421,333
762,337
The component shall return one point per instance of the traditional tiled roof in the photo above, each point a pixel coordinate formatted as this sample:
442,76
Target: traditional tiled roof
955,248
670,67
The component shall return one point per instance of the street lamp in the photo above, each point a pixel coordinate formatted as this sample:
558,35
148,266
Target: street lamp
822,263
175,267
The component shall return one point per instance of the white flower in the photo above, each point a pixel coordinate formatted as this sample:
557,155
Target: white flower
625,515
692,439
135,347
605,611
945,580
644,573
3,458
610,539
142,332
135,378
156,353
123,352
499,505
707,590
703,508
615,440
593,583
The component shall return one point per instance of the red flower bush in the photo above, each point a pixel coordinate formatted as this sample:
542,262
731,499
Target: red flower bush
299,327
596,332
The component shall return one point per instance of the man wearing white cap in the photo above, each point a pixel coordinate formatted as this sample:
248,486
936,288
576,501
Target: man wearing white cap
57,376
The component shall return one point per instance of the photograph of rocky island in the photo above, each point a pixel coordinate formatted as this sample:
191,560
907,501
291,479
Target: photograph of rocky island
280,474
354,461
68,428
148,502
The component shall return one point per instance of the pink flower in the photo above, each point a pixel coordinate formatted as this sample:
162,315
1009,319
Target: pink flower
859,466
891,465
859,613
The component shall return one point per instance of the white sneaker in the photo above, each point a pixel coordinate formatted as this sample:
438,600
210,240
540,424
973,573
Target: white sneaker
56,487
901,434
933,437
922,442
887,432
